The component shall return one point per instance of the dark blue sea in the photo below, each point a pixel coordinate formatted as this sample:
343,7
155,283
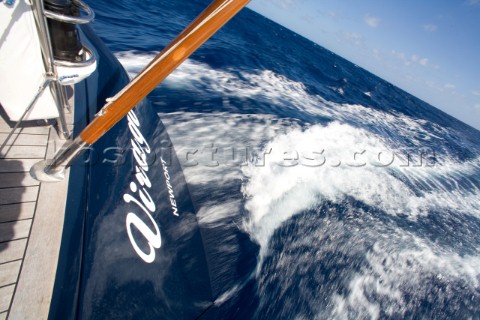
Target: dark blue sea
322,191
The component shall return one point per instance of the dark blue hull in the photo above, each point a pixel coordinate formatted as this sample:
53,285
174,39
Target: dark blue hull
131,245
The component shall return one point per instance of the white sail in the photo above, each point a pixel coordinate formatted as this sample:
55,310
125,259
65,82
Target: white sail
21,65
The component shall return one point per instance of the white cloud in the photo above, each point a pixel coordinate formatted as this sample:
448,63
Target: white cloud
436,86
413,59
308,18
332,14
353,38
430,27
372,21
448,88
399,55
476,93
285,4
473,2
424,62
476,108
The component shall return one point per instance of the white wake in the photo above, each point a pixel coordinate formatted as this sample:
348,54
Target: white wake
360,155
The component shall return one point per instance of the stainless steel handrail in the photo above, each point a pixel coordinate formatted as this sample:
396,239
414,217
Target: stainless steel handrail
58,91
72,19
59,94
52,170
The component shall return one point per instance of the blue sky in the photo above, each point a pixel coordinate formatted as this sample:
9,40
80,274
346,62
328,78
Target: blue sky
430,49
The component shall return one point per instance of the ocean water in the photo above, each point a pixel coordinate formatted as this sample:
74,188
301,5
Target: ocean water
322,191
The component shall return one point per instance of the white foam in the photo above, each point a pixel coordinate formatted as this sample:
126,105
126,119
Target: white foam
134,61
275,192
392,272
200,134
272,187
281,92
